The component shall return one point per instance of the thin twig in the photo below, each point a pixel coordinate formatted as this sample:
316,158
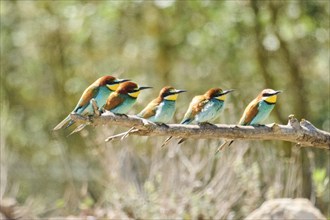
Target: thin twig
123,135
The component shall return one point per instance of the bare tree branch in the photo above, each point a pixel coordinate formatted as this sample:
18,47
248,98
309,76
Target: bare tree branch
303,132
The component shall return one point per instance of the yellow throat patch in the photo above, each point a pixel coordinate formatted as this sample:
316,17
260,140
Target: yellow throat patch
134,94
271,99
113,87
221,98
171,97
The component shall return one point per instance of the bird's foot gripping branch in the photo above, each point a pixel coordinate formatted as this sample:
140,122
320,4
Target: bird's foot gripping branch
302,133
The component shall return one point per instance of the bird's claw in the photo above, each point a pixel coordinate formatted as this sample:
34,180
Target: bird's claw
147,123
90,118
121,115
162,124
206,124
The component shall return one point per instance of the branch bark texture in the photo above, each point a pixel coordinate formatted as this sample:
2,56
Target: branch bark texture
302,133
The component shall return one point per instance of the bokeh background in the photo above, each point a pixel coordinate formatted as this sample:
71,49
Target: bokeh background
52,50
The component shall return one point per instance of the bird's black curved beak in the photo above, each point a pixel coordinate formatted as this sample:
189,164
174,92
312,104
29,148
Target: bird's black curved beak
277,92
121,80
177,91
227,91
145,87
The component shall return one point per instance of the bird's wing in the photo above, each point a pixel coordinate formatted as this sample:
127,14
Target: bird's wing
195,106
150,109
86,97
113,101
249,113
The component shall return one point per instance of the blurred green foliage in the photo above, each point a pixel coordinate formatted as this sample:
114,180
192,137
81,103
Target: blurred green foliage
52,50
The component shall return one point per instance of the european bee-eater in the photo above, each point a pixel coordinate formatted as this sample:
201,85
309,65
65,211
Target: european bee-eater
161,109
204,108
257,111
122,100
99,91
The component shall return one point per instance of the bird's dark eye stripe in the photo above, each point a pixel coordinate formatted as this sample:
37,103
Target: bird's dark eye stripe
114,82
267,94
167,93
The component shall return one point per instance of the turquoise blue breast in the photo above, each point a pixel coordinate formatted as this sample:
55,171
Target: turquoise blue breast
100,99
164,112
210,112
125,106
264,110
102,96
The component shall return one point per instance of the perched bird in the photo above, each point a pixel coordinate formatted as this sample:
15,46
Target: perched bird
162,108
257,111
204,108
119,101
99,91
122,100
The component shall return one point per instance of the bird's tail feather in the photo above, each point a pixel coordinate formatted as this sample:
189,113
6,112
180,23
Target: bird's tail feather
71,122
182,140
77,129
185,122
224,145
63,123
166,141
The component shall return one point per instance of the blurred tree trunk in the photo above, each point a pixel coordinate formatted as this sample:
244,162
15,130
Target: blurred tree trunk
300,106
262,56
157,29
